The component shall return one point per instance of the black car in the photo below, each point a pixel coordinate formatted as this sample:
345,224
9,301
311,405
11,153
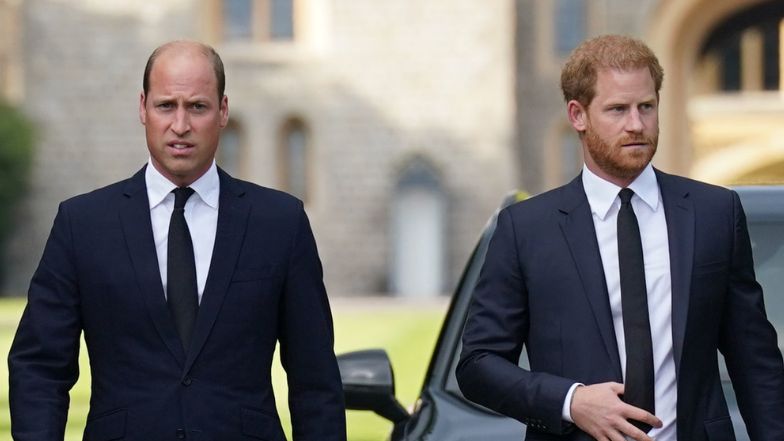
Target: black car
442,413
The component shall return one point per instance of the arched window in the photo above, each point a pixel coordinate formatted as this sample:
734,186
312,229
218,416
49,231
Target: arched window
257,20
294,158
744,51
229,156
418,230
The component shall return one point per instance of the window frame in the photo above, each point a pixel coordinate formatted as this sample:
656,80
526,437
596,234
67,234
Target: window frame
261,26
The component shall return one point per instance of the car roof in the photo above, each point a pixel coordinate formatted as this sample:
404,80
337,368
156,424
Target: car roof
766,202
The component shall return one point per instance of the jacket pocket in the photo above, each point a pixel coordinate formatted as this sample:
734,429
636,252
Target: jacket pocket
260,425
107,427
720,429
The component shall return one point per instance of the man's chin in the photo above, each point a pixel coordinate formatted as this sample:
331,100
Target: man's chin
637,158
632,170
628,169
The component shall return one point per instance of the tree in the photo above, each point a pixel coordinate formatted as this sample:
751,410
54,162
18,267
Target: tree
16,154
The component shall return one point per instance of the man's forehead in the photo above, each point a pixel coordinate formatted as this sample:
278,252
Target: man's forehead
182,69
191,54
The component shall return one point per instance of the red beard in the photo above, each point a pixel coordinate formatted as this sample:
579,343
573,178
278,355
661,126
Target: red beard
618,161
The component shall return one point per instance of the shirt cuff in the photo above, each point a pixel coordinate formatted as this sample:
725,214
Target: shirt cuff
566,410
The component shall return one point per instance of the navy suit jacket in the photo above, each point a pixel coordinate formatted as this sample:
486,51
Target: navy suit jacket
543,286
99,274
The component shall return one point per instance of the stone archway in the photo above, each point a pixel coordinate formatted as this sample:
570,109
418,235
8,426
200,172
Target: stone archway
676,33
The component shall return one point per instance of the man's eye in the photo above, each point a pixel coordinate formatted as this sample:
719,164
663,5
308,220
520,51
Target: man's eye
165,106
198,106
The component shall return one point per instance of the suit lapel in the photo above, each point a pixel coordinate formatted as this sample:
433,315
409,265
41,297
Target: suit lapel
137,227
233,212
679,212
578,229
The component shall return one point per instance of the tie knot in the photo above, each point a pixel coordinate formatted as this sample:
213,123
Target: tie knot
181,195
626,195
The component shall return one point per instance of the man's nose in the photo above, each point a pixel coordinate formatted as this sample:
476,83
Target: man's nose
181,124
634,121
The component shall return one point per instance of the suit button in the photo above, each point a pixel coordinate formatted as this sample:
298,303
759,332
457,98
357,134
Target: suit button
187,381
180,433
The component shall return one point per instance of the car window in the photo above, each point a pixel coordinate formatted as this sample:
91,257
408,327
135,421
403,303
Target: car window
767,242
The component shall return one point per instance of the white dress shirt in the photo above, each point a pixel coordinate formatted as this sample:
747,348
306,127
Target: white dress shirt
201,214
647,204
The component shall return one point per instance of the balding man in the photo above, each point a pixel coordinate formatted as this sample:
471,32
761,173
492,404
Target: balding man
183,279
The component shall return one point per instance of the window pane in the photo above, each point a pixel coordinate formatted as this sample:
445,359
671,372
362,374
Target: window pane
281,19
237,19
730,55
767,239
570,24
771,35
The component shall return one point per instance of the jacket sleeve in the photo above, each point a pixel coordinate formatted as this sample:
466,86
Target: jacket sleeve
306,345
43,359
748,342
495,332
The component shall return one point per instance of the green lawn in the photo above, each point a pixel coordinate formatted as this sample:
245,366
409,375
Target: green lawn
408,334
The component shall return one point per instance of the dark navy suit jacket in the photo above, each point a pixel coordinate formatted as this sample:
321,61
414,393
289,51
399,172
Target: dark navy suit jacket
99,274
543,286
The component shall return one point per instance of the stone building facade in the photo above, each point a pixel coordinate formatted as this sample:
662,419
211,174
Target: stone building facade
401,123
383,116
721,103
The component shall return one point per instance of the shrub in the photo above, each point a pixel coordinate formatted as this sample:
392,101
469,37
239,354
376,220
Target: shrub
16,153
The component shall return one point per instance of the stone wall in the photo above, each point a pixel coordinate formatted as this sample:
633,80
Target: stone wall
381,82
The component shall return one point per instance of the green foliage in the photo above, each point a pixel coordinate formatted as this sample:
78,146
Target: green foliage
16,154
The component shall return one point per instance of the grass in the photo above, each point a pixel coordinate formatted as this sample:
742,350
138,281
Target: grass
406,331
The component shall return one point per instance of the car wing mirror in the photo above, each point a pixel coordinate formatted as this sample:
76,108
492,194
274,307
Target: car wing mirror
369,383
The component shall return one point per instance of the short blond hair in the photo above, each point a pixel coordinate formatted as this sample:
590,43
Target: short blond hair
578,77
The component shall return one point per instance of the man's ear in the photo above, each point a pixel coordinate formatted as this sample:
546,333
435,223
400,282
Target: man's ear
142,108
224,111
578,115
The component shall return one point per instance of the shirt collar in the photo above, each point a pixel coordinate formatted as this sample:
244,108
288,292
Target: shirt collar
158,187
603,194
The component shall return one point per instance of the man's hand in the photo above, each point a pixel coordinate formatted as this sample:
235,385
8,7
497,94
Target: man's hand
598,410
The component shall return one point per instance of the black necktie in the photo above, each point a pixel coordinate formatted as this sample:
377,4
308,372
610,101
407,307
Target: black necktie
182,294
639,389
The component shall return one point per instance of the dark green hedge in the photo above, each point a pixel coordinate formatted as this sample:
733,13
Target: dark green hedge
16,154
